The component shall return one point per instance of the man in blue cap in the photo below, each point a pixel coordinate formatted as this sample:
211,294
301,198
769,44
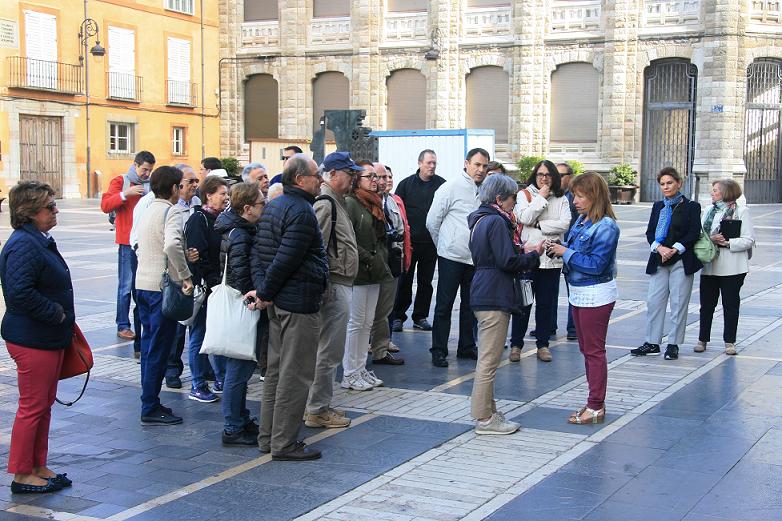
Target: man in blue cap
338,172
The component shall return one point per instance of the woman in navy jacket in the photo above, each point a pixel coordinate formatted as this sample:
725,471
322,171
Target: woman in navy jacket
495,246
37,327
674,227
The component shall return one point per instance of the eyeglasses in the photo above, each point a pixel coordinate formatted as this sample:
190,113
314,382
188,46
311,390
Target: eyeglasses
51,206
382,177
190,182
543,175
370,176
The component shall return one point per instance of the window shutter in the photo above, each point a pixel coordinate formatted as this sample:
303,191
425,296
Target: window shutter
122,63
179,71
330,8
574,103
394,6
41,48
330,91
406,100
488,100
260,10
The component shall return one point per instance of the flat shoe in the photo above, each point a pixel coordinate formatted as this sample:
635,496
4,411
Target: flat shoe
23,488
62,480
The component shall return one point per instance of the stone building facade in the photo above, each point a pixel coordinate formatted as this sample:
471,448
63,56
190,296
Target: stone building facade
693,83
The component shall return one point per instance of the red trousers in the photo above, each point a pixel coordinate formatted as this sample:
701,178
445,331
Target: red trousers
38,373
591,326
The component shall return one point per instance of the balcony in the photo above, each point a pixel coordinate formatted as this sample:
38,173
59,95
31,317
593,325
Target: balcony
406,27
123,86
330,31
575,17
488,22
766,12
265,33
182,93
667,13
29,73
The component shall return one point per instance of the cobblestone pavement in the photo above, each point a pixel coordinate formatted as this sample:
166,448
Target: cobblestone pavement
695,439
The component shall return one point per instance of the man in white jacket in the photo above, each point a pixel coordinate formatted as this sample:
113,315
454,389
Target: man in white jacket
447,223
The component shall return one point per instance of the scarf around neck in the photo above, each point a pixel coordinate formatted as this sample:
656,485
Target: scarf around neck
664,221
717,207
211,211
371,201
512,218
136,180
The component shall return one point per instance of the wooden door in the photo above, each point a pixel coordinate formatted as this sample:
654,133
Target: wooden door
40,147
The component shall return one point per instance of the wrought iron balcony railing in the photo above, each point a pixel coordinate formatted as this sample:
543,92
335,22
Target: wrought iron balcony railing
29,73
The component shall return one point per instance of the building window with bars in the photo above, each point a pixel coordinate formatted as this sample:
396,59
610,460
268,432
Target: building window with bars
178,141
121,138
181,6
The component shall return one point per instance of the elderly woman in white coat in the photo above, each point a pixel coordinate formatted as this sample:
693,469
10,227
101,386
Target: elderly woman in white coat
544,213
725,274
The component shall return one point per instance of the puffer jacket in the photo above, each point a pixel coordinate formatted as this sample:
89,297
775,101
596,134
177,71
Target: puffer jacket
372,246
201,235
447,218
590,257
543,218
237,240
288,261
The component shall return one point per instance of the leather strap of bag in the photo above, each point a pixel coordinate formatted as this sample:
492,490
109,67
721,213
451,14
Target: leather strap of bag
83,387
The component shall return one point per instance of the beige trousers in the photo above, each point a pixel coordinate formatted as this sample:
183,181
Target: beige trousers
492,331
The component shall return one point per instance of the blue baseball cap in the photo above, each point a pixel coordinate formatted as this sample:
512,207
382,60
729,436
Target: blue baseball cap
340,161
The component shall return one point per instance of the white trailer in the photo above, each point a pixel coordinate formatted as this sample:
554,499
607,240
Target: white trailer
399,149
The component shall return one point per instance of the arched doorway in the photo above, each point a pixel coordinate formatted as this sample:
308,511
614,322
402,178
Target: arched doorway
406,100
330,91
669,123
488,100
763,183
261,117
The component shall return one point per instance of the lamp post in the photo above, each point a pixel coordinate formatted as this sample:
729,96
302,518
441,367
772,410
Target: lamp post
87,30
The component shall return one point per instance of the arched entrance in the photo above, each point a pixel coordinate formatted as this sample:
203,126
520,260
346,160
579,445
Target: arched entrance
763,183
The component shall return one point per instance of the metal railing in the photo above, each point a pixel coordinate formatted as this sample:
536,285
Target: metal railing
29,73
182,93
124,86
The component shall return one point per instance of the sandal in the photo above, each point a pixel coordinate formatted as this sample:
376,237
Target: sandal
587,416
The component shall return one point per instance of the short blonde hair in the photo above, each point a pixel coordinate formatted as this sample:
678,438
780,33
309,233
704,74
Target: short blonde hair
26,199
729,189
592,186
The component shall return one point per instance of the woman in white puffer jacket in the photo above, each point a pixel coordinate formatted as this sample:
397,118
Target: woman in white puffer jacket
544,212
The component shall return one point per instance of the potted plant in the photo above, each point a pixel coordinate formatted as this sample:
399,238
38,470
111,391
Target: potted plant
621,184
525,166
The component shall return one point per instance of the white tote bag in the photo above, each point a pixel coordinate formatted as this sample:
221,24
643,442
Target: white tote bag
230,327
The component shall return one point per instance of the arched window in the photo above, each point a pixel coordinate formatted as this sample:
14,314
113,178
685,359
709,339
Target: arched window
261,118
406,102
255,10
488,100
330,91
575,90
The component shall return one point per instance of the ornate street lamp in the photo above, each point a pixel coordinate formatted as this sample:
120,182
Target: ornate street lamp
87,30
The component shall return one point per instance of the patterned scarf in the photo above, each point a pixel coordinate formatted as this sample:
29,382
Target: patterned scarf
512,218
664,221
716,207
371,201
211,211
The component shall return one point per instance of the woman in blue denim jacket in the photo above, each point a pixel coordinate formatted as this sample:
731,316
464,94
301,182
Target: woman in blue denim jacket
589,257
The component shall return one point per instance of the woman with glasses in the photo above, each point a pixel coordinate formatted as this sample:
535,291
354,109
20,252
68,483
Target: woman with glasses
365,209
543,212
37,327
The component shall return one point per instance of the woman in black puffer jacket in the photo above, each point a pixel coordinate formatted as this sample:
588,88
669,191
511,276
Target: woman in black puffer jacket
237,226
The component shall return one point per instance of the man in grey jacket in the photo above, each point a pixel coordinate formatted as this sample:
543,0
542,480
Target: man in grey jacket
447,223
340,240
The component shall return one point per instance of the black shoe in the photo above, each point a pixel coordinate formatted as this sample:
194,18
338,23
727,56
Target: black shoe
396,326
21,488
422,324
572,336
533,333
471,354
646,349
240,438
252,428
672,352
389,359
173,382
300,452
162,416
439,361
62,480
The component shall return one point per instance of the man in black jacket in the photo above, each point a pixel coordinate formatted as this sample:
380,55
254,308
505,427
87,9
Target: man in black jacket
417,192
290,272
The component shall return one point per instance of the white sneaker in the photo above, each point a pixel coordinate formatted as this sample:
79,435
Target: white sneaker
371,379
356,382
497,424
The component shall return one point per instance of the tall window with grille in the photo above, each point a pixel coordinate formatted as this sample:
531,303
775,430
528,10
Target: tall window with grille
122,64
121,138
181,6
178,141
41,49
179,72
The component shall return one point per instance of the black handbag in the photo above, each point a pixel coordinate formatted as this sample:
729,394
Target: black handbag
176,305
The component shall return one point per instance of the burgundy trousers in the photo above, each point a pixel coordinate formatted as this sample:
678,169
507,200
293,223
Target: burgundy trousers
38,373
591,326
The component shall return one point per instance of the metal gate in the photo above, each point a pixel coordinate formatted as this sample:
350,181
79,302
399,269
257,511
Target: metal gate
669,123
763,183
40,149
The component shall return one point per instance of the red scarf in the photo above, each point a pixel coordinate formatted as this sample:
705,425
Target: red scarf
372,202
512,218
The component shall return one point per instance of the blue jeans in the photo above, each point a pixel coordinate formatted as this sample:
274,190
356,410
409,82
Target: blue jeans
218,366
159,333
175,365
126,262
452,277
545,286
199,364
234,402
571,326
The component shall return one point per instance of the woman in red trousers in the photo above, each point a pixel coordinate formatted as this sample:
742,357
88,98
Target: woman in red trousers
37,327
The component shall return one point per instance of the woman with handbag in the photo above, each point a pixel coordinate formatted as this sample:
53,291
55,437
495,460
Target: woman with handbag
589,260
726,272
237,227
498,257
544,213
163,284
201,235
674,227
37,327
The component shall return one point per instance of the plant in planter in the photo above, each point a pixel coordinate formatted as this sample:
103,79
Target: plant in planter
525,165
621,184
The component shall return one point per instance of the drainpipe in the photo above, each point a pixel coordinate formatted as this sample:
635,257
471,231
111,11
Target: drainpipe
203,88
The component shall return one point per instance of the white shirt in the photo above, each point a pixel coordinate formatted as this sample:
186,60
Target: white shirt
593,296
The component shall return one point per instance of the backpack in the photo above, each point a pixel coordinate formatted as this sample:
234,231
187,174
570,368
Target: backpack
125,185
333,235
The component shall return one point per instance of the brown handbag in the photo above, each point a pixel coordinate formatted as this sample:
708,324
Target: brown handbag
77,360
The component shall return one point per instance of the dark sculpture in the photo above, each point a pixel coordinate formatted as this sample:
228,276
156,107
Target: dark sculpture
348,133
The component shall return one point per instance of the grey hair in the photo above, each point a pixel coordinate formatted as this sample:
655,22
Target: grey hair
298,164
249,168
183,167
497,185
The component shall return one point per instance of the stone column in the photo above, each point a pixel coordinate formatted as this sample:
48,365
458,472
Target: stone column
231,138
366,83
720,108
445,81
295,89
